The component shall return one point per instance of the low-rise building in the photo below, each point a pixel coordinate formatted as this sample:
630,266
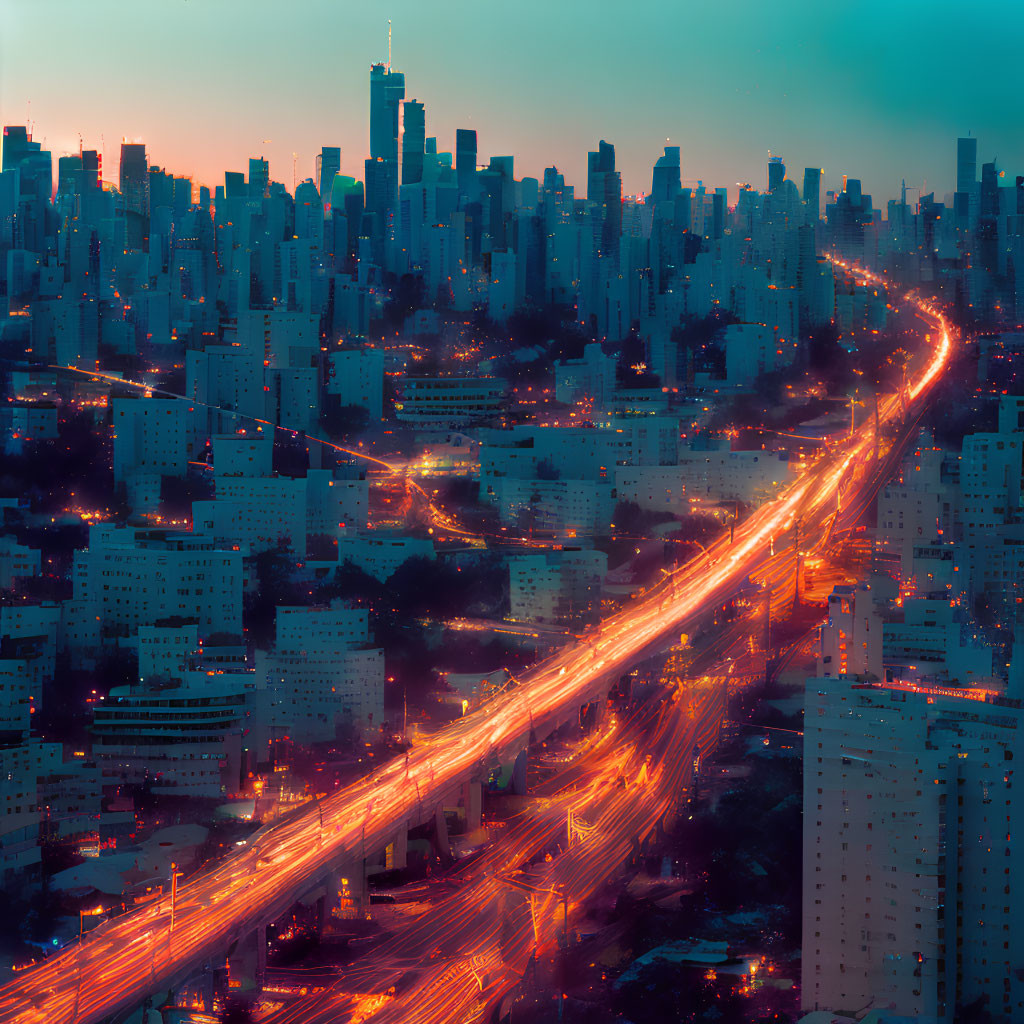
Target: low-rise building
184,739
556,586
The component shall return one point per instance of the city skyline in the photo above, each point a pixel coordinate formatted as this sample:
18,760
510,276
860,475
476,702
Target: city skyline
880,118
522,524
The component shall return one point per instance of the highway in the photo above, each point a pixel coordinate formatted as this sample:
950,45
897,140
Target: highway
123,960
465,952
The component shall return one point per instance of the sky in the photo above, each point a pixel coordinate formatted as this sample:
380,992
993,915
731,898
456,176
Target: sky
867,88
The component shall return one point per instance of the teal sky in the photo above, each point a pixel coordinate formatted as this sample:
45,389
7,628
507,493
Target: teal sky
874,89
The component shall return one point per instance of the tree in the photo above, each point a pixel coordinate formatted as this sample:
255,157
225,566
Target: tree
631,519
236,1012
274,570
343,421
547,470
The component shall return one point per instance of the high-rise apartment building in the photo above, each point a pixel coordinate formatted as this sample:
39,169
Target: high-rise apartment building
911,902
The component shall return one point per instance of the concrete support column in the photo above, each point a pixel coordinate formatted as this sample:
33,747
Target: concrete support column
592,714
248,963
261,955
473,803
441,833
207,991
400,847
519,773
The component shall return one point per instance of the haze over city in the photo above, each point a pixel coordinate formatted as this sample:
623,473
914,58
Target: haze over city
491,528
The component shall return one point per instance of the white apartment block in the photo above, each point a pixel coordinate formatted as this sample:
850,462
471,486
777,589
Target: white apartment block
185,739
129,577
556,586
258,513
911,902
570,508
851,639
917,507
16,562
356,376
151,436
322,672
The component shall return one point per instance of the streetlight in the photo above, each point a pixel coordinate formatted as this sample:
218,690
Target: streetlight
81,938
175,874
81,919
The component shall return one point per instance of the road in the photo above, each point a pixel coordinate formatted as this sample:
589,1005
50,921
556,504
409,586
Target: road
473,945
123,960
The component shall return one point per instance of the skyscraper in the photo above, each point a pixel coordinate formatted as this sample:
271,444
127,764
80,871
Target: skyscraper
812,193
776,172
413,134
69,175
259,177
328,164
134,178
966,164
387,90
604,188
966,179
465,161
92,168
666,181
17,142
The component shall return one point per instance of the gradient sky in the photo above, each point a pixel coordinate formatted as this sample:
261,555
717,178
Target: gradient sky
870,88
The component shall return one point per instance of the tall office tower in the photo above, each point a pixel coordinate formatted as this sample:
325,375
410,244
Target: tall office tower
134,178
812,193
966,179
413,135
465,161
604,187
966,164
328,164
989,192
776,172
259,178
17,144
987,225
719,202
92,168
667,179
387,90
69,175
309,213
234,185
598,164
911,902
35,179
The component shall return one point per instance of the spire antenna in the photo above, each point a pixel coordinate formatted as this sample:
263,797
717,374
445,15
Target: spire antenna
389,46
